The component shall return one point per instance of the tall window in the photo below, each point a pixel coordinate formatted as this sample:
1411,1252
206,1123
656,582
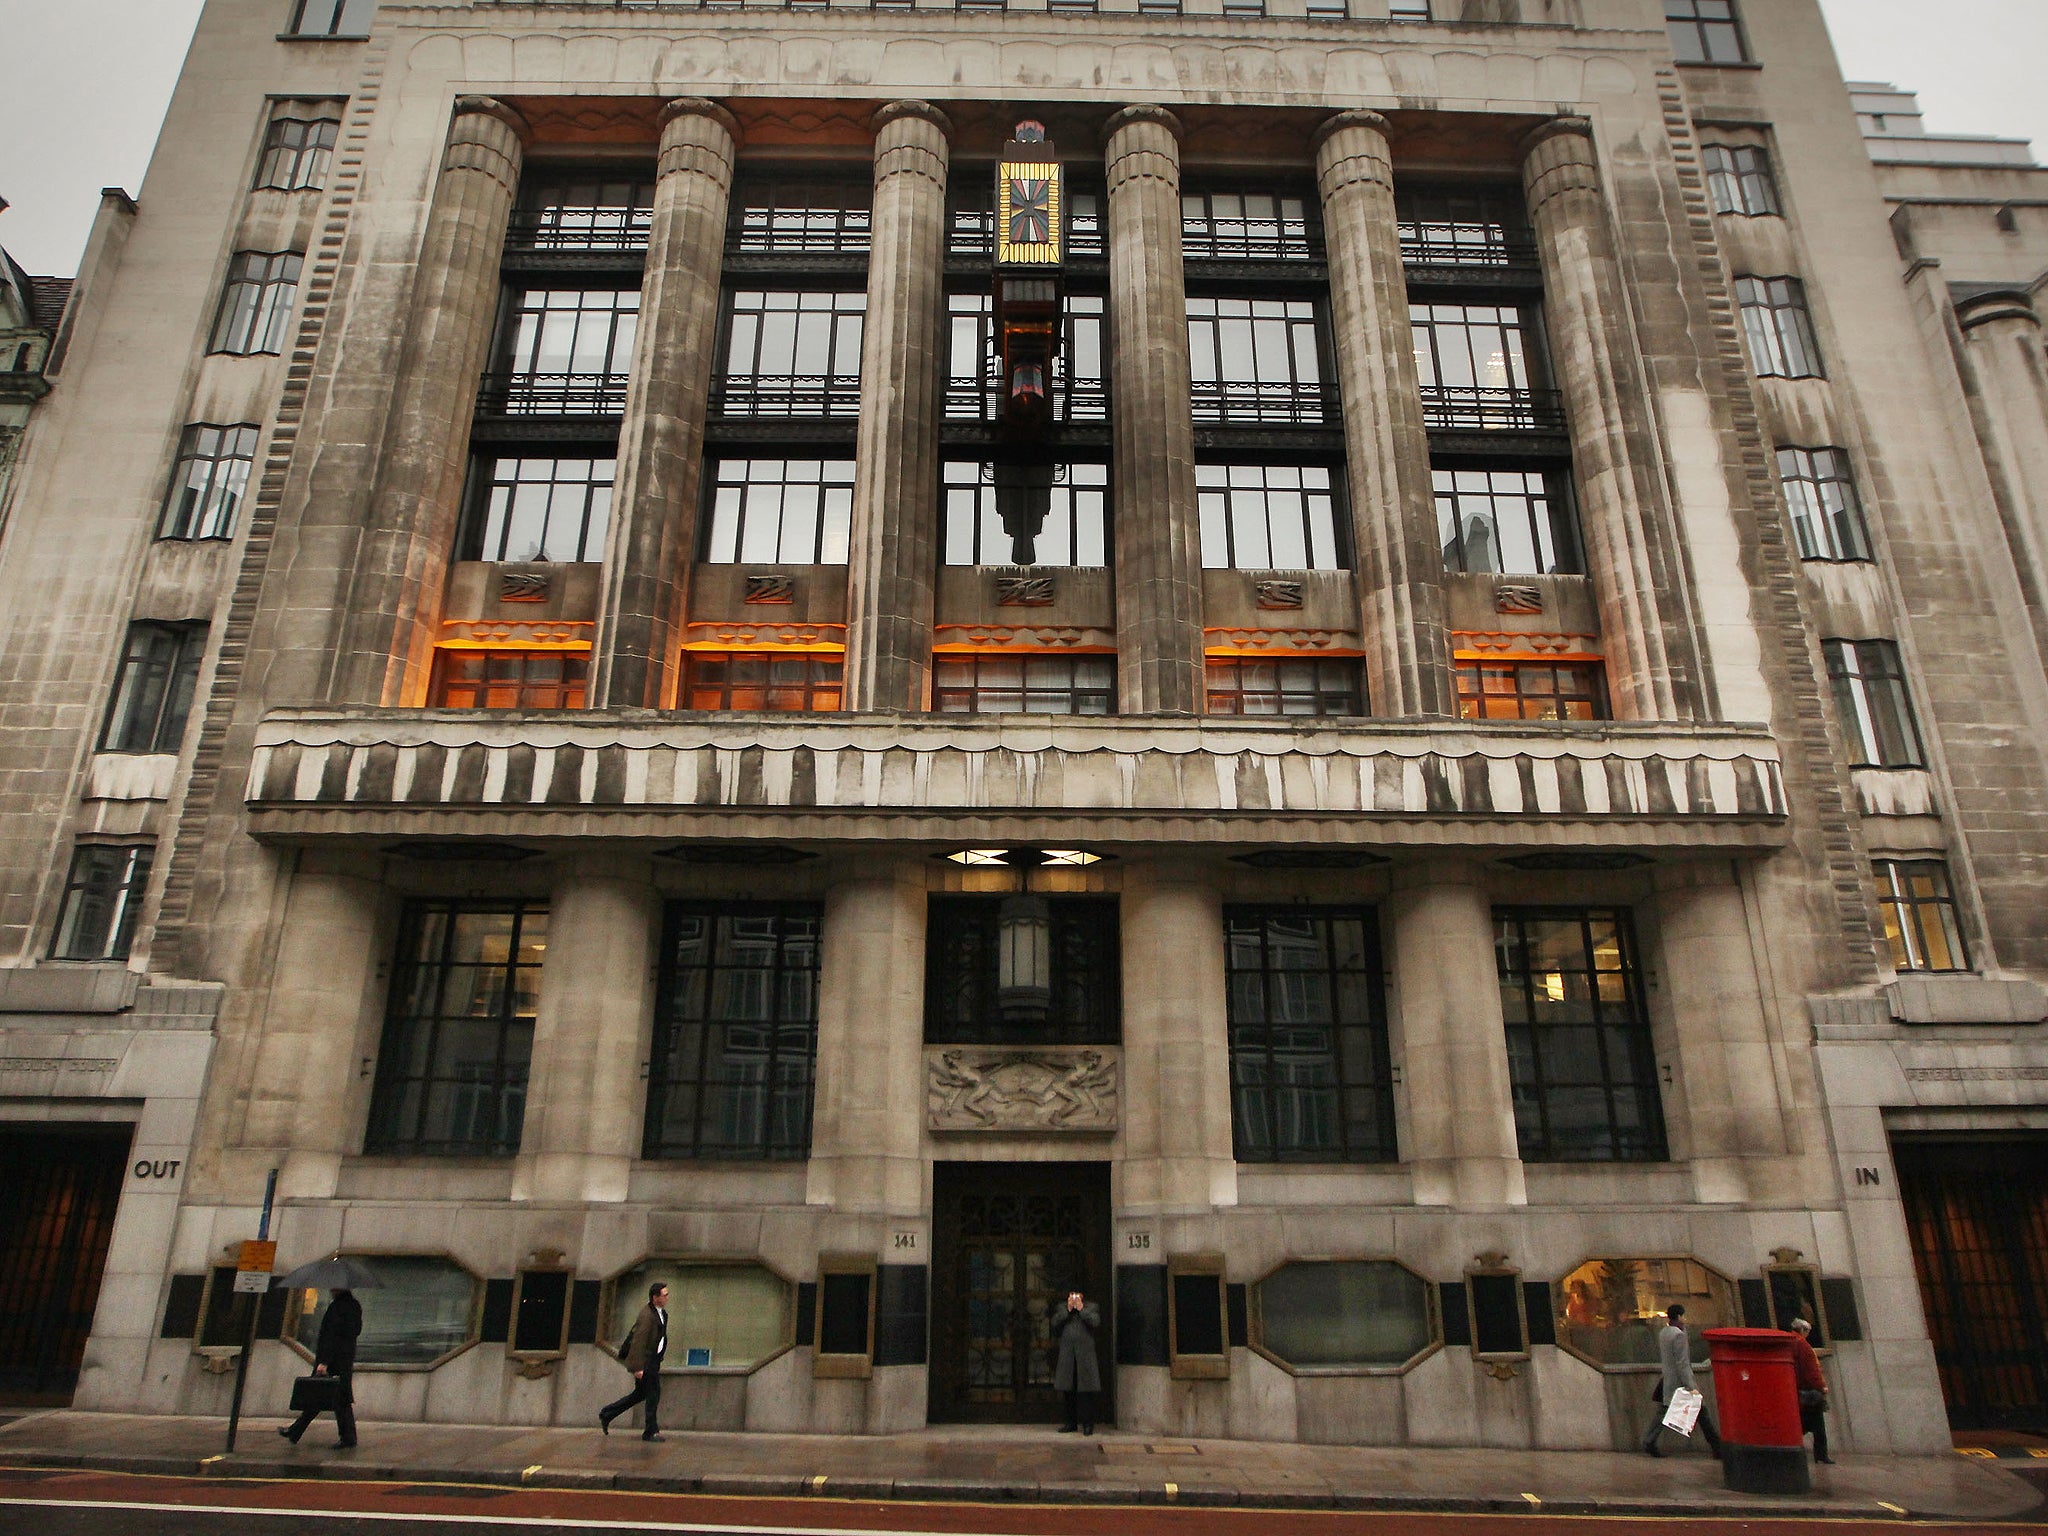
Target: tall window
1870,696
544,509
535,679
1704,32
792,353
1257,362
1463,226
1919,910
1026,514
1509,689
1248,226
1004,683
1827,514
1580,1056
458,1033
1739,179
763,680
257,304
567,351
1269,517
102,901
1778,327
332,18
974,378
801,217
780,511
735,1032
153,689
1473,361
208,482
586,213
1066,989
1310,1074
296,153
1509,520
1304,685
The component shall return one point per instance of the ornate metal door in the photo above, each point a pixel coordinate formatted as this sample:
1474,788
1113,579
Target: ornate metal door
1009,1241
58,1192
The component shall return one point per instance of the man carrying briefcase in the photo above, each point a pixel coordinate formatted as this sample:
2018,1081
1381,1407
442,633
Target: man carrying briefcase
334,1360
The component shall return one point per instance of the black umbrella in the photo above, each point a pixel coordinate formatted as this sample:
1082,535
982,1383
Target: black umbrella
340,1273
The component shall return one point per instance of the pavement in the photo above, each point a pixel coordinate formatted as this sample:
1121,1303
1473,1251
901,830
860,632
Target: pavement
1025,1465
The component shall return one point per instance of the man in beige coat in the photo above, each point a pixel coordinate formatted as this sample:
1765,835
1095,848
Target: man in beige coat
641,1354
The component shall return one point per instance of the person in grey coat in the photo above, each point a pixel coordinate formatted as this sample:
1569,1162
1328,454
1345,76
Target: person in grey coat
1674,1355
1075,1370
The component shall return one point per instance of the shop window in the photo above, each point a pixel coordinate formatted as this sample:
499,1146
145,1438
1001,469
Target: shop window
780,511
153,689
1778,328
1610,1311
1739,179
257,303
297,151
1310,685
332,18
1257,362
1344,1315
1000,683
565,352
1919,909
541,509
795,681
1025,514
801,217
208,482
1500,688
1869,682
584,214
1827,514
1704,32
791,352
424,1310
102,901
721,1316
1506,520
1270,517
1022,970
470,679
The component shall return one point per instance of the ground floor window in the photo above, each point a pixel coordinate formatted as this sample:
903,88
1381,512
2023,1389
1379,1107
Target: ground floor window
795,681
997,683
465,679
1286,685
1344,1315
1610,1311
1509,689
423,1309
728,1317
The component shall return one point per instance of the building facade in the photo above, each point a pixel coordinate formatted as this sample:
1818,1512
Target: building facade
1348,674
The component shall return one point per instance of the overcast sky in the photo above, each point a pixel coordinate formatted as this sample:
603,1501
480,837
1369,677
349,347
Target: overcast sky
85,83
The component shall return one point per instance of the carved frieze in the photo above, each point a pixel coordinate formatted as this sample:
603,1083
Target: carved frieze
1021,637
1274,593
762,633
1264,640
1024,592
771,589
1059,1090
518,631
1515,597
524,586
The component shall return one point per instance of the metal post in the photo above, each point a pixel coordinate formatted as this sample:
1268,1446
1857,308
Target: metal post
255,1310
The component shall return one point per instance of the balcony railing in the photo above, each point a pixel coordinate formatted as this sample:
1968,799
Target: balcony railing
1262,403
580,229
1250,240
1456,409
552,394
1072,400
972,231
802,231
798,395
1446,244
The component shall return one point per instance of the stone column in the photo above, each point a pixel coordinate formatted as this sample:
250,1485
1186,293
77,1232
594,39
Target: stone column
867,1128
894,550
401,564
1450,1039
1157,529
2006,374
1593,360
653,534
586,1102
1177,1153
1386,446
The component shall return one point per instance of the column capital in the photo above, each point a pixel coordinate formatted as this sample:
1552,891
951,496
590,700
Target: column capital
490,106
1566,125
1131,117
1357,117
922,111
1558,158
1983,308
698,106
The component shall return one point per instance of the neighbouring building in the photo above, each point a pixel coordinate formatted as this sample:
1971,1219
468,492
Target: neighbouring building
30,310
1365,676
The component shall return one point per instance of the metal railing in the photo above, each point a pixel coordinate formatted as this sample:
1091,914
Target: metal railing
1447,408
552,394
580,229
1261,403
1074,400
1465,245
800,395
1250,240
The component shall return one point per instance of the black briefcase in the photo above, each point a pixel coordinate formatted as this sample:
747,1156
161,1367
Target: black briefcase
317,1394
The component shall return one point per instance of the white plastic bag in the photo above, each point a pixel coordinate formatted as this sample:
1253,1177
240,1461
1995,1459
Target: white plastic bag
1684,1411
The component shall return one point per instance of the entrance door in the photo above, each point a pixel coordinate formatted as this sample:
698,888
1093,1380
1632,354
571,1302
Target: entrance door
59,1186
1009,1241
1978,1214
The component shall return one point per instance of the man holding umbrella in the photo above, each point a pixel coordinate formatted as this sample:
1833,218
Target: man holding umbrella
334,1353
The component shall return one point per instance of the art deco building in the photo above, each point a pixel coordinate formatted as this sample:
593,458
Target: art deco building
1365,678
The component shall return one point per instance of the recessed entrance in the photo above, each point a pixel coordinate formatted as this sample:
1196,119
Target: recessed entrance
1009,1241
59,1187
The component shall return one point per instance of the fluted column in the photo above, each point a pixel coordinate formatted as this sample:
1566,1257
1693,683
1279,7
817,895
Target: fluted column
1593,358
387,635
2006,373
894,550
1158,533
1386,445
1451,1040
661,442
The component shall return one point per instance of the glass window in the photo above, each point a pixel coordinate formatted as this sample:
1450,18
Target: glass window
1256,362
1248,226
297,152
792,354
1778,328
1463,226
567,351
720,1316
1507,520
542,509
1502,689
1026,514
208,482
1580,1058
1827,514
153,689
1474,363
475,679
974,386
1869,682
780,511
1704,32
257,303
1919,910
1611,1311
333,18
763,680
423,1310
970,1000
458,1031
1269,517
735,1032
801,216
1301,685
1004,683
1310,1074
1408,10
102,901
585,214
1739,179
1350,1314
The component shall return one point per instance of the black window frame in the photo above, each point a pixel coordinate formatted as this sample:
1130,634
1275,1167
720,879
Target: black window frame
797,216
1233,223
749,392
1560,539
1819,486
1868,678
1705,32
1464,224
810,675
1900,907
297,153
151,702
1740,180
115,875
569,690
343,18
221,489
488,522
1232,384
974,380
517,387
582,211
1077,515
1300,687
726,543
1471,670
951,695
1777,328
1218,533
961,1005
256,325
1526,402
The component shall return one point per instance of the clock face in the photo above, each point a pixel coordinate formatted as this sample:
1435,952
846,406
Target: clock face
1030,209
1028,213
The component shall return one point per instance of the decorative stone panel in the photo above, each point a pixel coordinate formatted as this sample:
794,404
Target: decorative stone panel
1070,1090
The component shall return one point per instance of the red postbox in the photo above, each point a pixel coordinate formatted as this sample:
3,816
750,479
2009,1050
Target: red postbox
1762,1447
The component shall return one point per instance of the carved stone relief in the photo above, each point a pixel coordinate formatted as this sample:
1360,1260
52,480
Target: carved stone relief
1517,598
1037,1089
524,586
1274,593
1024,591
771,589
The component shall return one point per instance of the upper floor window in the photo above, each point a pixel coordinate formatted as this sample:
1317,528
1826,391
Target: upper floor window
974,383
1460,226
1474,363
792,353
208,482
332,18
567,351
1918,906
801,217
1778,327
153,689
297,152
1285,685
1247,226
1026,514
780,511
1256,362
587,214
794,681
1023,970
512,679
1704,32
1869,683
1739,179
1409,10
257,303
1510,688
1269,517
993,682
1507,520
1827,514
541,509
102,901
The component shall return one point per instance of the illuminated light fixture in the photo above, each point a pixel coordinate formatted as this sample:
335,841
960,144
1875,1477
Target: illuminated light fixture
1024,960
1023,858
1030,247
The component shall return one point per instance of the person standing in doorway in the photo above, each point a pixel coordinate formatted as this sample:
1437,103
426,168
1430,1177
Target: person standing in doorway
642,1355
1075,1369
334,1354
1813,1390
1674,1356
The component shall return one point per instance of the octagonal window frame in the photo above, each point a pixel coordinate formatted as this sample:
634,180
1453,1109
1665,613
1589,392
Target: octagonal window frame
295,1312
675,1362
1560,1292
1255,1316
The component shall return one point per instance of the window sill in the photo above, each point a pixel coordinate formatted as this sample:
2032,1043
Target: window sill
323,37
1737,64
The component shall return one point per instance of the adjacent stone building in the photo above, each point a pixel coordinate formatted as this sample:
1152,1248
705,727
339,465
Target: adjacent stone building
1366,678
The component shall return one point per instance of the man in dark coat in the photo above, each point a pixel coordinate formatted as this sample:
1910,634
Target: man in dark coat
1075,1371
642,1355
334,1354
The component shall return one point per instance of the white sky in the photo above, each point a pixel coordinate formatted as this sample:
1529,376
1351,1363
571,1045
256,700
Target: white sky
84,84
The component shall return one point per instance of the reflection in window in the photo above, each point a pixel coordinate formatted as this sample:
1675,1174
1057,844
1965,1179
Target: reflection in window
1470,346
1508,520
153,689
1919,909
780,511
792,353
1026,514
1003,683
1704,31
974,380
735,1033
542,509
1301,685
458,1032
1739,179
1247,226
763,680
423,1309
1463,226
1778,328
208,482
1268,517
1827,514
1256,362
257,303
587,214
568,350
720,1316
1869,683
531,679
1493,688
333,18
965,981
801,217
102,901
1611,1311
296,153
1350,1314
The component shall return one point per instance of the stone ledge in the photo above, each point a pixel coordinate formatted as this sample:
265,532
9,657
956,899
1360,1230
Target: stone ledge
68,989
1966,1000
